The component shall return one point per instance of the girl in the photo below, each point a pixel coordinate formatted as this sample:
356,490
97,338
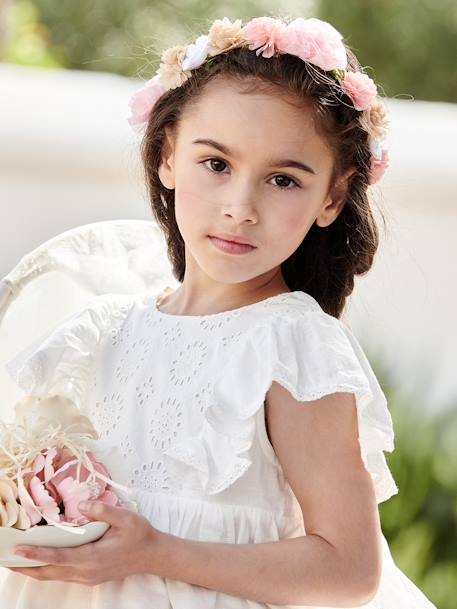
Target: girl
250,424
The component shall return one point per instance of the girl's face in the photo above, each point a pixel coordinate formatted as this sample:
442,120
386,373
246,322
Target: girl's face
265,177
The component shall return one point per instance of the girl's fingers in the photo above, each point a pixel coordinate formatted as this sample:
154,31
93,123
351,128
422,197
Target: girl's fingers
40,573
97,510
52,556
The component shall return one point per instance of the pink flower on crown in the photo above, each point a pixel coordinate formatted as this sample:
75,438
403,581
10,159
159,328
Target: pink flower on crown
378,167
360,88
264,34
142,102
315,41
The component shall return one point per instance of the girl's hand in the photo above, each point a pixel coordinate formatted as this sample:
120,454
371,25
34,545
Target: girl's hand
130,546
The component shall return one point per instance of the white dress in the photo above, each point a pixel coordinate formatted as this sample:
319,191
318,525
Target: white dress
182,397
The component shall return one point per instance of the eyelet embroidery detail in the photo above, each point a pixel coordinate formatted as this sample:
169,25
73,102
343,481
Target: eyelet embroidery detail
120,336
165,423
152,476
232,338
132,360
120,333
184,454
213,323
107,414
188,363
144,391
151,319
126,447
202,397
172,333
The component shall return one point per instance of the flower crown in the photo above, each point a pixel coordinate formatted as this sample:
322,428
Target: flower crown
314,41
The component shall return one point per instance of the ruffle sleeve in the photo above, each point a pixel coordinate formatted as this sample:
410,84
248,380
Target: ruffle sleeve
311,354
61,361
317,354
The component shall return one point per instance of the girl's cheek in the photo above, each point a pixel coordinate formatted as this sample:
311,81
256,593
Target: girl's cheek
195,186
294,220
289,228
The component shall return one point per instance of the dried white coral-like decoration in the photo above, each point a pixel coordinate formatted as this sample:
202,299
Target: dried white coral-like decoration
224,35
170,70
41,422
12,514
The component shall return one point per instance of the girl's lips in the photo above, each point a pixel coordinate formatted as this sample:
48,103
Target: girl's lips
230,247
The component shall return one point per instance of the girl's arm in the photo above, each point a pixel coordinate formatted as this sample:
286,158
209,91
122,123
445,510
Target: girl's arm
338,562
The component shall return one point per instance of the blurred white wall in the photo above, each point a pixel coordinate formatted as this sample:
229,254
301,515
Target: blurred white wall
68,157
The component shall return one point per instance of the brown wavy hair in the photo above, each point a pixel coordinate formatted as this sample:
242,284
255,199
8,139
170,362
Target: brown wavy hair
325,263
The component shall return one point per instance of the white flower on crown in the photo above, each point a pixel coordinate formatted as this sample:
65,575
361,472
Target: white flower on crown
377,146
196,53
179,61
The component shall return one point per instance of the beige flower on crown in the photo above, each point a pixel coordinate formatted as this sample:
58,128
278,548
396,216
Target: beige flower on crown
224,35
375,120
12,514
170,70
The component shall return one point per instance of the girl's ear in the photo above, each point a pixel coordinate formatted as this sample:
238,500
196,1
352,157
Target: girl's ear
166,168
335,200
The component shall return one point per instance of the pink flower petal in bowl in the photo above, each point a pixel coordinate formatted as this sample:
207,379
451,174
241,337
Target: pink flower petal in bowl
39,463
48,466
27,502
43,500
72,492
109,498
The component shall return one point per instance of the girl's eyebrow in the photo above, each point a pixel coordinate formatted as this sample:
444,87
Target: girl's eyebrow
277,163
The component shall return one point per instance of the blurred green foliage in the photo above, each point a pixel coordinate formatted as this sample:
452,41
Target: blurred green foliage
420,522
410,45
124,36
28,41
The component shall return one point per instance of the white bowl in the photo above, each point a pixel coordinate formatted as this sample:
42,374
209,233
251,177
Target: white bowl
45,535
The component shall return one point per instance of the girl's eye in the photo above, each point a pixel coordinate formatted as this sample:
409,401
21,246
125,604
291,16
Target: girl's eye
289,181
215,161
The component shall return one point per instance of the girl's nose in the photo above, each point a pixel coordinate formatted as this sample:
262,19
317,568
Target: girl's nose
240,205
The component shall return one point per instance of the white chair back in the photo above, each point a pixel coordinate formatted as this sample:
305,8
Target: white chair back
62,274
